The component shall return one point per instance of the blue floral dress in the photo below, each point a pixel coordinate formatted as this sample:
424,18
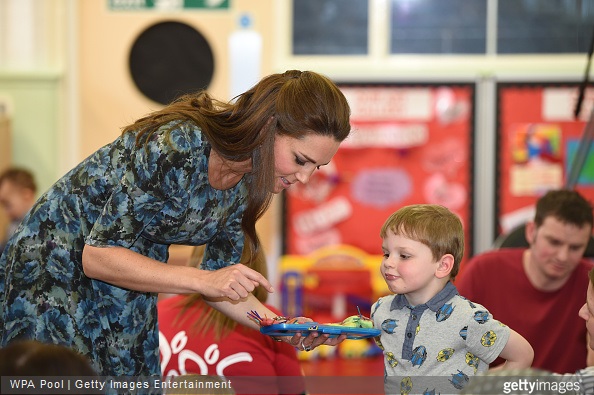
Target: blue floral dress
143,199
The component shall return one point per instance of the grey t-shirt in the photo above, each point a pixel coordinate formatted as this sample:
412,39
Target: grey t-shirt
438,345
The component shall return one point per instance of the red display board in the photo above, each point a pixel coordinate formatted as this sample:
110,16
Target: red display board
410,144
537,138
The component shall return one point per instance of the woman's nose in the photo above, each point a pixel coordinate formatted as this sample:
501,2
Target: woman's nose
303,176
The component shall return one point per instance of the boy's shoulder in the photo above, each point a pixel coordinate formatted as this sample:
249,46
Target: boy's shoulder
382,305
467,303
384,300
456,301
474,312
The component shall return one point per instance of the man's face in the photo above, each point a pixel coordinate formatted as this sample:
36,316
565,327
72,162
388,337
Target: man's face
557,247
15,200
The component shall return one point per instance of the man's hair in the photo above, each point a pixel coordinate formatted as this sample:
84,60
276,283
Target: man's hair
567,206
20,177
433,225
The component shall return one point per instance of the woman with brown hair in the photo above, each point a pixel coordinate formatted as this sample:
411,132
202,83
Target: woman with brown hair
85,266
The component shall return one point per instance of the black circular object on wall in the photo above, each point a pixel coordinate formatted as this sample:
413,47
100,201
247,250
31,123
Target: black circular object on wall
170,59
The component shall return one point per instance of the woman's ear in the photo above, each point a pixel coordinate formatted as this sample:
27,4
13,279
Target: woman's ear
445,265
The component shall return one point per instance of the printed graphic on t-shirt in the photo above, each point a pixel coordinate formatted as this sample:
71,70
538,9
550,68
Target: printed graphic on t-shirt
186,358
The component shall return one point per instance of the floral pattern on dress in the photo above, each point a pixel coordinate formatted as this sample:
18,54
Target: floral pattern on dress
143,199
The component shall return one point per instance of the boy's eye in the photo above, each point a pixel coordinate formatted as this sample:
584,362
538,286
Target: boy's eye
404,256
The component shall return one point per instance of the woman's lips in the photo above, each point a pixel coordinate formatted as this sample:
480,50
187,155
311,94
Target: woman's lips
286,183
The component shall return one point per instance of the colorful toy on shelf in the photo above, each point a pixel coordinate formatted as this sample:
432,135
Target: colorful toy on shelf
292,293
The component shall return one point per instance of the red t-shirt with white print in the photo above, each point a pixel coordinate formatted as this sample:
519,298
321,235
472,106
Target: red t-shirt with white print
244,352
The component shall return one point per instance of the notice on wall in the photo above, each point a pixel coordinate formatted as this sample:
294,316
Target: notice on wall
536,159
538,137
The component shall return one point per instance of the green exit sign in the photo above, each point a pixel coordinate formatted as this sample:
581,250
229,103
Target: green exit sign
167,4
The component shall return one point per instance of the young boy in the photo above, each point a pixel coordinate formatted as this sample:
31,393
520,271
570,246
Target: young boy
433,339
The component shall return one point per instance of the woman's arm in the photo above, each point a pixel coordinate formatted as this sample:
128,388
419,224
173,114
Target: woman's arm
227,290
518,353
127,269
237,310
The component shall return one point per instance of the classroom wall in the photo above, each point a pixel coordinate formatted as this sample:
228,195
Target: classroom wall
108,97
5,161
34,100
64,77
32,83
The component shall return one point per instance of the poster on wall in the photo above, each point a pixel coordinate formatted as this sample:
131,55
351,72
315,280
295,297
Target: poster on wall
537,140
409,144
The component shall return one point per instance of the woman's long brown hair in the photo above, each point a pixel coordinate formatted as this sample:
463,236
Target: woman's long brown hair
293,103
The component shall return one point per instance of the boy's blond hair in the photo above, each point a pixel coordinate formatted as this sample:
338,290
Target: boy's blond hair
433,225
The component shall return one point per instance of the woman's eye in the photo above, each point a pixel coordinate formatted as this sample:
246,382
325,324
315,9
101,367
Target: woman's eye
299,161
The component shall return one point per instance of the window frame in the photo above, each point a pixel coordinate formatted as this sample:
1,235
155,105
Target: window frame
379,64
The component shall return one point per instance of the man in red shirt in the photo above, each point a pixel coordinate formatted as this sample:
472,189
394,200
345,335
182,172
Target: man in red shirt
539,291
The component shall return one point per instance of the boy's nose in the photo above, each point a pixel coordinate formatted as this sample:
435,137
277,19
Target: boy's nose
389,262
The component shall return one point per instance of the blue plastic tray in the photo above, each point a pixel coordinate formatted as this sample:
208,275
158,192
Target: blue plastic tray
333,330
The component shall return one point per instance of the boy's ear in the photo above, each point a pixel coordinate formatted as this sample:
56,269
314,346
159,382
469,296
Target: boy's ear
445,265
